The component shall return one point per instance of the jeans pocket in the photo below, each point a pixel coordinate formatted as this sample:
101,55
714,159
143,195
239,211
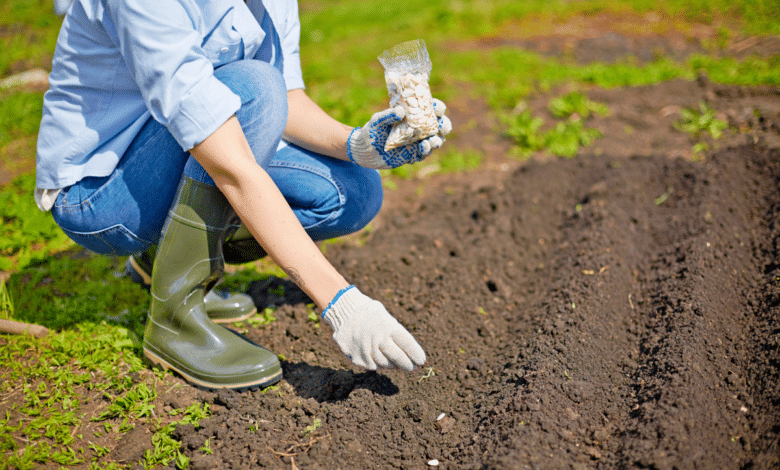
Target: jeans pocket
115,241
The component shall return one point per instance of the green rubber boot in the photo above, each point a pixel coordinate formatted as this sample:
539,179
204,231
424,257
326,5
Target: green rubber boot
241,247
221,307
179,334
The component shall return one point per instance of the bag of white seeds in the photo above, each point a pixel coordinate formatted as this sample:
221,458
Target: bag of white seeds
407,70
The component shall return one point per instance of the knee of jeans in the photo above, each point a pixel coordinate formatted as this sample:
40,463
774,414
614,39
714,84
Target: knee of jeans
263,113
364,197
256,82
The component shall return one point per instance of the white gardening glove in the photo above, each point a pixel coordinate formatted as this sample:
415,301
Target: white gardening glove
368,335
366,145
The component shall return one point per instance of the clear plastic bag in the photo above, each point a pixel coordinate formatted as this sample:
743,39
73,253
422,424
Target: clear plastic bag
407,71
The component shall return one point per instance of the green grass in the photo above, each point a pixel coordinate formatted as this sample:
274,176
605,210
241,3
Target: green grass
96,318
28,33
26,232
55,378
20,115
341,40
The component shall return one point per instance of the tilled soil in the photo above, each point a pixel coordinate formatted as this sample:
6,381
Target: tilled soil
615,310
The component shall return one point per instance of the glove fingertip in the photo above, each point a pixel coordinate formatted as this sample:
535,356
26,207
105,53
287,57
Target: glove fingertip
439,107
396,114
411,348
387,117
445,125
425,148
368,365
436,142
416,354
421,358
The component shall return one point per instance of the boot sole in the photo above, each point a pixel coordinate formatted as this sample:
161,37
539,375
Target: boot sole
232,320
262,383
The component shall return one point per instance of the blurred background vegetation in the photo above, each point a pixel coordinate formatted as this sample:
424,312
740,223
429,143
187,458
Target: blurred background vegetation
340,41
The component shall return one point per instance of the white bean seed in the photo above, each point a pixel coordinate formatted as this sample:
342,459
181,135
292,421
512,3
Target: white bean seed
411,91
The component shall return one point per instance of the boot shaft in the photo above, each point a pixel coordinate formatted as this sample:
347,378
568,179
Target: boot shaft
191,242
179,334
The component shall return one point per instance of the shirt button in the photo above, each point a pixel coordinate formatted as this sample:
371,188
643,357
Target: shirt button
224,50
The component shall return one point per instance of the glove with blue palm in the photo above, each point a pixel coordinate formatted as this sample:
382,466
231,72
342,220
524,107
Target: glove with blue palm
366,145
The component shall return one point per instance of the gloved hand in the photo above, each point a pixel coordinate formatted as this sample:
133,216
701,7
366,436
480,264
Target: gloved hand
368,335
366,145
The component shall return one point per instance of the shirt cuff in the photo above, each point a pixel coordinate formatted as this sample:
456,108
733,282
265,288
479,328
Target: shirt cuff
208,105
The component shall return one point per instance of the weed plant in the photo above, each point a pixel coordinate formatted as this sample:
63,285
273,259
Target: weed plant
565,138
701,123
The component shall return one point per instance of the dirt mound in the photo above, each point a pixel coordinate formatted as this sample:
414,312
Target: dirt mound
655,335
599,312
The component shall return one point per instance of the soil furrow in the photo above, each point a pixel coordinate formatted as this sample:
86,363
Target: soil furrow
763,368
569,392
654,377
690,379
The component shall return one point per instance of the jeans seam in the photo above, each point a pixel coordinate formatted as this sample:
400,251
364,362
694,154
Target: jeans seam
98,234
314,170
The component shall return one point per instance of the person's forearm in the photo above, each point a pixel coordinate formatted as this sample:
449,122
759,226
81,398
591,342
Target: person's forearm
228,159
310,127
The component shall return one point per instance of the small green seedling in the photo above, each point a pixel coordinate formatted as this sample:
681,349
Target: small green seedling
314,318
575,103
206,449
312,427
523,129
701,122
262,319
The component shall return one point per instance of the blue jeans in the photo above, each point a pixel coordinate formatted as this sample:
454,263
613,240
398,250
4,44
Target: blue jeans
123,213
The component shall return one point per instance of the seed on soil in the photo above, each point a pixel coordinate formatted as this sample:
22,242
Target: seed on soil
441,416
433,463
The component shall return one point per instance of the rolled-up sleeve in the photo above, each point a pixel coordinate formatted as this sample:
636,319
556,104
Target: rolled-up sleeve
162,47
291,37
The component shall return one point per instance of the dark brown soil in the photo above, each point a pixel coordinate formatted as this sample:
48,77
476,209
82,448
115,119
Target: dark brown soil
615,310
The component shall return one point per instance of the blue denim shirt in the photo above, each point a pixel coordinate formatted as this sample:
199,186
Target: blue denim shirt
118,62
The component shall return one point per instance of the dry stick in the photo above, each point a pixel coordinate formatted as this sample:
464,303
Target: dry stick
28,77
742,45
19,328
280,454
289,452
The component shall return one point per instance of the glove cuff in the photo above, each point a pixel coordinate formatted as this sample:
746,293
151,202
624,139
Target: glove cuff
346,301
352,159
